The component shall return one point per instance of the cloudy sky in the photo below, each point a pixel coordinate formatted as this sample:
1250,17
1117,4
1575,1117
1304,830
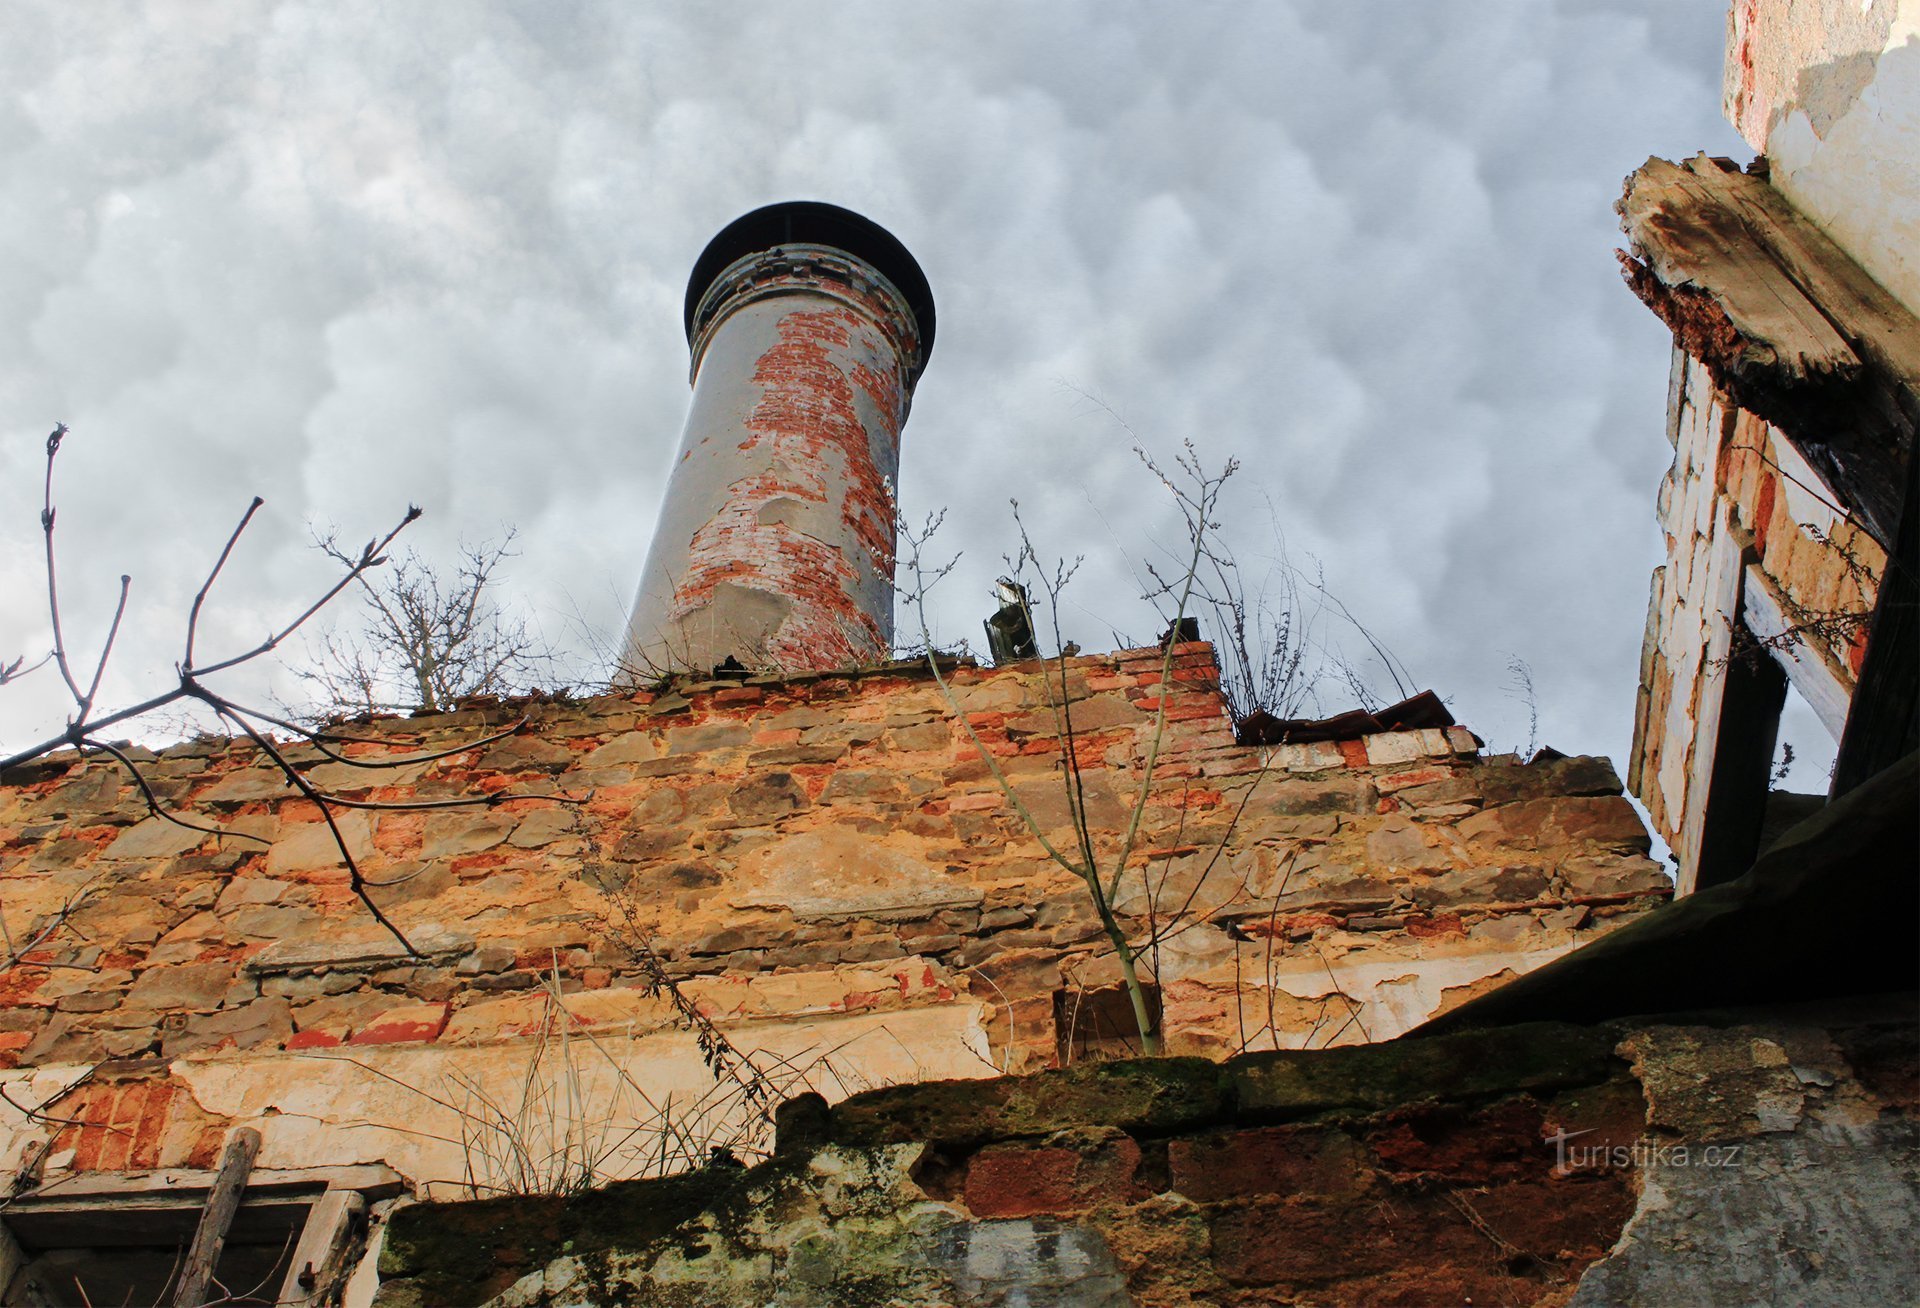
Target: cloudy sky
350,256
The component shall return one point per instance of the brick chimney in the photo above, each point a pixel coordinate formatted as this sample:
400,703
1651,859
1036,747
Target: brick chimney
808,326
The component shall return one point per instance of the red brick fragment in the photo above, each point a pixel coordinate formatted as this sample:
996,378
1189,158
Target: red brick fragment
1021,1180
413,1023
314,1039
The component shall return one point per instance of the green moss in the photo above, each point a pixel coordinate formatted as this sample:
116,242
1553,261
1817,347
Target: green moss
1148,1095
465,1253
1537,1057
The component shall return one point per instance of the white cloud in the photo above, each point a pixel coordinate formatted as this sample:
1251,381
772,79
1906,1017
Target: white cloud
349,256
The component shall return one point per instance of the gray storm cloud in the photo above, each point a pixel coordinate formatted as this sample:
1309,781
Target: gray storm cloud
354,256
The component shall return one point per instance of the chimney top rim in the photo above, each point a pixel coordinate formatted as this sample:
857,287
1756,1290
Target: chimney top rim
814,222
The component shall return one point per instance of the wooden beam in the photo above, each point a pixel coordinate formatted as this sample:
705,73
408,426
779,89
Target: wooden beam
1883,722
320,1259
1753,690
374,1180
203,1256
1787,323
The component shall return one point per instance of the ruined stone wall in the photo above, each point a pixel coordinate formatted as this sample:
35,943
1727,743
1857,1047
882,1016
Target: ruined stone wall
1750,528
1745,1158
825,862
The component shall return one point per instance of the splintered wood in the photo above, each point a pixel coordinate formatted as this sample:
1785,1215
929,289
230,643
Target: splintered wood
1790,327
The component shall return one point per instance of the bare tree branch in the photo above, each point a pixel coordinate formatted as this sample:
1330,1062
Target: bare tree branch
429,638
83,731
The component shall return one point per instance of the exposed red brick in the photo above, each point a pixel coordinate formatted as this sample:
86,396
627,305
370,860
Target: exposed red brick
1264,1160
1393,781
1021,1180
410,1024
314,1039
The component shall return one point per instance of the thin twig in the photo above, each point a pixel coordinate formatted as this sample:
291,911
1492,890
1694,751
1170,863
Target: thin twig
193,616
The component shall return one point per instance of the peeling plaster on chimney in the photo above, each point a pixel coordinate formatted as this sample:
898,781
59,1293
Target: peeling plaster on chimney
775,547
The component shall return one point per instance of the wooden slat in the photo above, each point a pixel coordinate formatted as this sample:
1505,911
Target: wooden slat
371,1179
204,1254
320,1259
155,1222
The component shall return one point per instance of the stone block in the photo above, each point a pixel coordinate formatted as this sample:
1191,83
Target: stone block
1541,823
98,1001
1504,929
1605,875
409,880
1527,1057
1402,845
188,986
363,949
649,843
787,755
527,753
767,798
1481,885
855,785
632,747
454,832
1391,782
265,1021
247,785
347,778
999,919
1550,778
717,735
1388,747
271,921
924,738
1201,882
1316,756
154,838
246,892
1155,1096
543,826
310,846
1329,888
1302,798
837,873
487,958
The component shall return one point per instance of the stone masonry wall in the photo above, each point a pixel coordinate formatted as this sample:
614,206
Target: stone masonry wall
825,862
1739,1158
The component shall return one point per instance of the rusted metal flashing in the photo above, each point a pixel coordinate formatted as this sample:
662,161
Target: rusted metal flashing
1411,714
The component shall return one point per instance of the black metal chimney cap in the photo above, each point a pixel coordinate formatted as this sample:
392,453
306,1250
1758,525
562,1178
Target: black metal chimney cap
811,222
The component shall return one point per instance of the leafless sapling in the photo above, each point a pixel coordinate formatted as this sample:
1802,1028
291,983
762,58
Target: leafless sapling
430,637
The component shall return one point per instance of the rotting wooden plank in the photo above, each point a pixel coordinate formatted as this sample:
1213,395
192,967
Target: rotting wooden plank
1785,321
1881,330
374,1180
1682,229
319,1261
211,1236
127,1222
